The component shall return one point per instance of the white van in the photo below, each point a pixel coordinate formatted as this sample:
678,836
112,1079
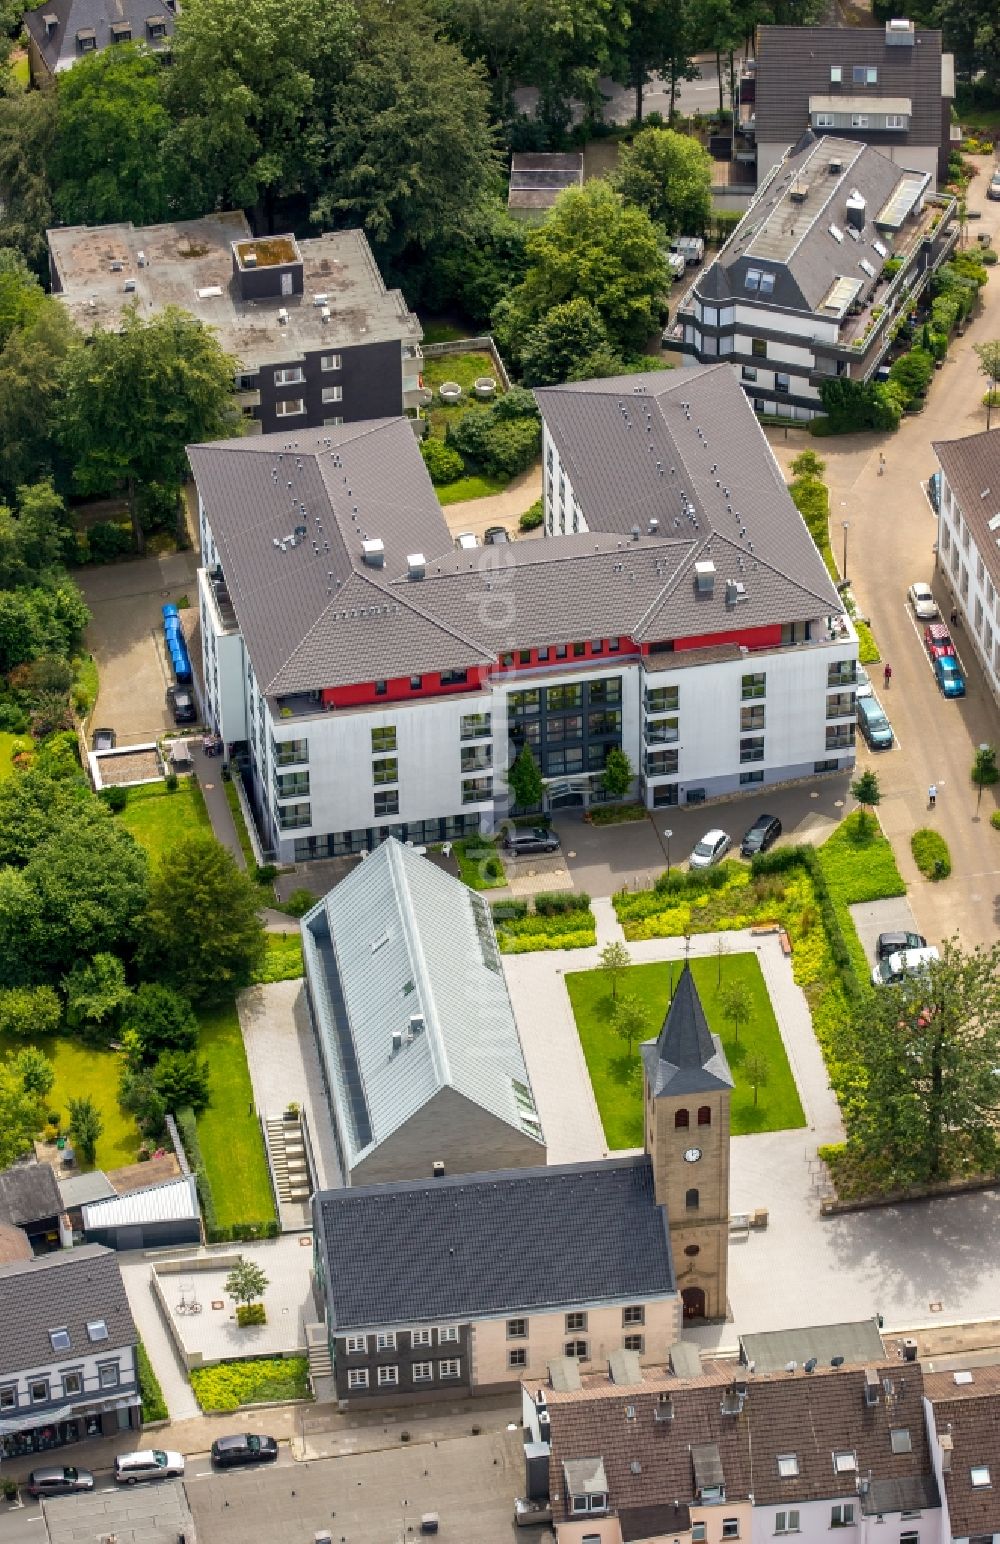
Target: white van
909,962
151,1464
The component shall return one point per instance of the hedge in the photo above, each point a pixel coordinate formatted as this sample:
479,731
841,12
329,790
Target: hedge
995,820
215,1233
554,903
930,853
154,1406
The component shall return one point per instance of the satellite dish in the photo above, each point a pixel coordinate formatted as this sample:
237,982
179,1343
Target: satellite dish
836,1361
300,530
790,1366
810,1366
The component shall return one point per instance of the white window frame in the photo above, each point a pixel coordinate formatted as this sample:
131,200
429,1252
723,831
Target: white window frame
289,407
289,375
895,121
333,394
447,1334
730,1528
825,120
330,362
355,1344
72,1383
423,1372
859,120
357,1377
420,1338
788,1466
842,1515
845,1461
450,1367
388,1376
385,1341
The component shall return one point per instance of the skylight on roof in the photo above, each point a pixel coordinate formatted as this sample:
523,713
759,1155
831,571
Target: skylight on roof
836,233
899,1437
867,267
97,1329
845,1462
767,283
752,280
788,1465
59,1339
979,1474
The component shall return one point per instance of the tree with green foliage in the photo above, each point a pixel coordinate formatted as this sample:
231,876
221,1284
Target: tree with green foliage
757,1070
473,268
618,775
985,771
925,1103
614,960
86,1127
657,40
808,464
591,247
989,365
31,392
912,372
669,175
734,1001
91,881
569,343
96,993
108,158
249,91
867,792
29,1012
37,1072
201,933
410,144
21,295
139,1097
27,131
160,1019
182,1080
628,1018
852,405
525,779
246,1282
135,399
22,1106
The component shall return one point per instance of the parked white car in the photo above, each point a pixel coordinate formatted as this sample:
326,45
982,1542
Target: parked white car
909,962
713,846
923,602
863,687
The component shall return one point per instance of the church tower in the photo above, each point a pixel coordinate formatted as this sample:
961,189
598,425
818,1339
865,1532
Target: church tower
687,1088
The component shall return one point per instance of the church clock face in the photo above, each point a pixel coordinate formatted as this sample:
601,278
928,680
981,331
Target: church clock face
692,1155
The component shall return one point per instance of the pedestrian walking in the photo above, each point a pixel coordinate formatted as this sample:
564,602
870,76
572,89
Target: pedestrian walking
881,463
953,617
932,795
887,675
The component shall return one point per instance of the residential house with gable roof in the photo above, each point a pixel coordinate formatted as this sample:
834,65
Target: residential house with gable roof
374,681
420,1050
963,1416
61,32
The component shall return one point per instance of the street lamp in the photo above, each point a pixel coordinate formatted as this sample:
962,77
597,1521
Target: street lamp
668,835
845,524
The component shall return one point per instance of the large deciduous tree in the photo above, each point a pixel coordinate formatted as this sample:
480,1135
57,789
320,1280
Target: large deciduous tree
107,160
658,40
591,247
670,176
201,931
927,1102
21,1105
136,398
31,389
27,131
569,343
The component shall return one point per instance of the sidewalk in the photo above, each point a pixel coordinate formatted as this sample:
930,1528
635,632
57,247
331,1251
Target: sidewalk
208,771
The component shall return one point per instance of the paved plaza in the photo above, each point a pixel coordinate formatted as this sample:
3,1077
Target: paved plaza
191,1294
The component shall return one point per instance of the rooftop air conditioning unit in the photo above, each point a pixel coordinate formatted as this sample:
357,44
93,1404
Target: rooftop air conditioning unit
705,577
249,259
836,166
282,316
397,1040
417,1023
320,300
129,286
373,552
799,192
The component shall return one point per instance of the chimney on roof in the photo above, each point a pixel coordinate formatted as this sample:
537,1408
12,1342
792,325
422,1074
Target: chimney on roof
705,577
946,1444
438,1169
856,210
416,565
373,552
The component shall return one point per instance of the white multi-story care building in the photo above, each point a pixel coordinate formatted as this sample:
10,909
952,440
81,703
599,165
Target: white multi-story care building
374,680
969,540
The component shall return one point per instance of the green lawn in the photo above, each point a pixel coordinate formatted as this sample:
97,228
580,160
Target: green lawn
443,332
283,961
617,1077
478,864
469,488
21,71
157,817
463,368
81,1072
228,1131
858,863
231,1384
10,744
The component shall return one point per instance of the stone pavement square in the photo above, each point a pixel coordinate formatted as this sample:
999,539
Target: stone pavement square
871,918
284,1065
212,1335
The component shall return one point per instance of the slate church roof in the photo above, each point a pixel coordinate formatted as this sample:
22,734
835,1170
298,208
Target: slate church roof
686,1058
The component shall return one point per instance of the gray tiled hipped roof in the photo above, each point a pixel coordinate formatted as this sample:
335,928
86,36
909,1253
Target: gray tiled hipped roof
60,49
668,469
28,1193
972,467
477,1245
686,1058
793,64
66,1290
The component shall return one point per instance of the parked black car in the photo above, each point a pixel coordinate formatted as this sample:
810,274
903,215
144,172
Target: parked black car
181,705
762,834
59,1481
103,740
534,840
228,1452
898,943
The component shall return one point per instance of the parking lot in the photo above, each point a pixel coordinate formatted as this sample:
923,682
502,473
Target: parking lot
125,637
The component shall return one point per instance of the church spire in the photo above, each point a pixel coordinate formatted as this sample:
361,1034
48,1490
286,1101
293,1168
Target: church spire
685,1058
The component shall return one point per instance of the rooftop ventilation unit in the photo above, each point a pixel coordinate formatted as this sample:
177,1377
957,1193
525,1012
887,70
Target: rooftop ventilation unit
320,300
140,258
663,1410
798,192
282,316
325,314
417,1023
117,266
855,209
416,565
705,577
397,1040
654,524
900,32
636,533
835,166
732,1402
373,552
438,1169
871,1386
210,292
249,259
736,591
129,286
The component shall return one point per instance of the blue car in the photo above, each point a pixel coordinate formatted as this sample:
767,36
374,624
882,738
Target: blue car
949,675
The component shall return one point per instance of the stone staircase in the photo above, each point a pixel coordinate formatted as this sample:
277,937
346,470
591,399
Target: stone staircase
320,1365
287,1151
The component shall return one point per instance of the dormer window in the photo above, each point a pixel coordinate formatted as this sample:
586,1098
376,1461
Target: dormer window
86,40
979,1474
788,1465
156,26
121,32
845,1462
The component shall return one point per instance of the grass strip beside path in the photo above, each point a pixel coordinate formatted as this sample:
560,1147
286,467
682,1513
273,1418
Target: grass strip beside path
228,1131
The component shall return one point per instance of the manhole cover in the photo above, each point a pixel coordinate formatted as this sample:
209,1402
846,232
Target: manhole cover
935,1307
218,1303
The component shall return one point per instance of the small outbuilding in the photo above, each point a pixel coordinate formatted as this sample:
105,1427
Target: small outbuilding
536,180
161,1216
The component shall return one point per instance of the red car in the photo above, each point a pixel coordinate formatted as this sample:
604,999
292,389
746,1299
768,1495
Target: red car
937,640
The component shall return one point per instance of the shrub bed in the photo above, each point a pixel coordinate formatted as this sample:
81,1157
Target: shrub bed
995,820
930,854
532,518
561,919
250,1313
232,1384
154,1406
615,814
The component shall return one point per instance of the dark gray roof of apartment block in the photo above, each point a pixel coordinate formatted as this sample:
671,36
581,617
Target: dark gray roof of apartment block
71,1289
472,1246
685,1058
797,227
60,48
189,263
972,467
793,64
651,459
29,1193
